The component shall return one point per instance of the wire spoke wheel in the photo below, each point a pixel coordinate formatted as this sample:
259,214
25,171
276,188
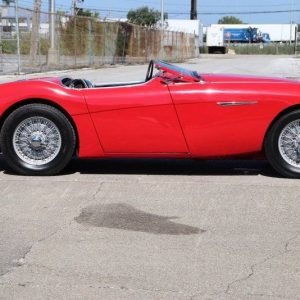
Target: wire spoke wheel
289,143
37,140
282,145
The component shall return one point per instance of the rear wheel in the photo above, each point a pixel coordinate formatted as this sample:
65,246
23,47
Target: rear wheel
37,139
282,145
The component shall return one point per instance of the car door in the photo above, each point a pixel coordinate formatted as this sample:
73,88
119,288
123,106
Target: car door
222,117
138,118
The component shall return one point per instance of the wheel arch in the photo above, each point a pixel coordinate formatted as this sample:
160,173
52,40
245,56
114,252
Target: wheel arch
24,102
282,113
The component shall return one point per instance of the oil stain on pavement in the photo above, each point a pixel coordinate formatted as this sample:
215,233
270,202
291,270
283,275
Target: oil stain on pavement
126,217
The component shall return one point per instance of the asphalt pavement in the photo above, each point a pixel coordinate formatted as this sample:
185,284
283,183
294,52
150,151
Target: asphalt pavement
154,229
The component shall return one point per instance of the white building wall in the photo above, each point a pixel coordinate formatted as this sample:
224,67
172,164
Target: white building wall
187,26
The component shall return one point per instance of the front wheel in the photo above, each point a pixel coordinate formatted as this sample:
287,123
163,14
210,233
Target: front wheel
37,139
282,145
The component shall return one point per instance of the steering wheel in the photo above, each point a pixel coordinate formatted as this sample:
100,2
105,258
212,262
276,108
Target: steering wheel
150,70
78,84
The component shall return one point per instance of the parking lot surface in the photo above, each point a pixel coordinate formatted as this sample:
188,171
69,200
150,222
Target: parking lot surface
154,229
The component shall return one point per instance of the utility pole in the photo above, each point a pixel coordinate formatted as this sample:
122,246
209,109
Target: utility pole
162,15
291,20
52,23
73,8
3,22
35,31
162,34
53,56
18,35
193,9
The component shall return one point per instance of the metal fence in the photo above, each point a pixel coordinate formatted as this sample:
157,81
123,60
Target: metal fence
85,42
264,49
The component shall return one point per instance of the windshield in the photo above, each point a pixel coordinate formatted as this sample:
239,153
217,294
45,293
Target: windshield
180,73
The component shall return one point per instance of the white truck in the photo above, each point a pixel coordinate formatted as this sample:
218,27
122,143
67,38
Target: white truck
216,39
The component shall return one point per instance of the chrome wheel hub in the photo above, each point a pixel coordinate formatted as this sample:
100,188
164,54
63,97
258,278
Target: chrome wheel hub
37,141
289,143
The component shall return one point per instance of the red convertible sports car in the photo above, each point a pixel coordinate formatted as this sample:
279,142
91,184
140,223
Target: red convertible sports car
174,113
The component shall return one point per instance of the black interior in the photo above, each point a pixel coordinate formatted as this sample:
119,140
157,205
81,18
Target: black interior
76,83
84,84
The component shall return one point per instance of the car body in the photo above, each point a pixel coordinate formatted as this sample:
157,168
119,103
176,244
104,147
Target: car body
175,113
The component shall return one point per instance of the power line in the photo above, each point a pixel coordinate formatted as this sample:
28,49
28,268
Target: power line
174,5
29,3
245,12
155,3
211,13
187,13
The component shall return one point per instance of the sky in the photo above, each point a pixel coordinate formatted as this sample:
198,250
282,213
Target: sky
209,11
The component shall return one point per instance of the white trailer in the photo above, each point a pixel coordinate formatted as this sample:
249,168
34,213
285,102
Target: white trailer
215,39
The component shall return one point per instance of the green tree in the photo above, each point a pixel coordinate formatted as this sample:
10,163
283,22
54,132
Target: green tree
86,13
230,20
144,16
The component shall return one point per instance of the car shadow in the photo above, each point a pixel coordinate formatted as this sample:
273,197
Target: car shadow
151,166
188,167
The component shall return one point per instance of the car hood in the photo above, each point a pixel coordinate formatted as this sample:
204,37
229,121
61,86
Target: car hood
228,78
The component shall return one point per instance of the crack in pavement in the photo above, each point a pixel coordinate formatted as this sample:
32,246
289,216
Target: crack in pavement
21,260
98,190
201,294
271,296
93,198
105,286
288,242
139,289
252,267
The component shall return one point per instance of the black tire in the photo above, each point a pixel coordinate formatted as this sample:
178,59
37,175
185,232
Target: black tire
61,147
278,158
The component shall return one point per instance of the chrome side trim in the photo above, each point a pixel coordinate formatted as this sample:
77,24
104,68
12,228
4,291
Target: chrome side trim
236,103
